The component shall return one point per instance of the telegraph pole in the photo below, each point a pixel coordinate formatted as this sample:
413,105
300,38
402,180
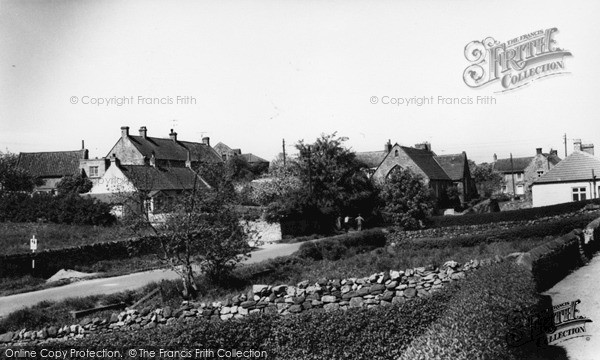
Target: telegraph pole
565,141
512,173
283,146
309,173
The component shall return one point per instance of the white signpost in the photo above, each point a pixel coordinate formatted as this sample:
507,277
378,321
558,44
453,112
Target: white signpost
33,245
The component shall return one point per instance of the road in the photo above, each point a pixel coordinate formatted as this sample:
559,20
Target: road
116,284
583,285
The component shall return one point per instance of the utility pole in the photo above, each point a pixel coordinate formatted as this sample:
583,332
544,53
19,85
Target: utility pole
283,146
309,173
594,185
565,141
512,173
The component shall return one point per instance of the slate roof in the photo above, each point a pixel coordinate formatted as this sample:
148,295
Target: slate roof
426,161
576,167
167,149
149,178
453,165
52,163
519,164
253,159
372,159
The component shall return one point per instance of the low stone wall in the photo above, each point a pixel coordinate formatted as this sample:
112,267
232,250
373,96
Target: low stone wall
381,289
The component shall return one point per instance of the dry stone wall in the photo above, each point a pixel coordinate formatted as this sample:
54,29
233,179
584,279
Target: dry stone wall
381,289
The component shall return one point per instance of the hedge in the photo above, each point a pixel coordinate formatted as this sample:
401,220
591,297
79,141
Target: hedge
48,262
552,261
513,215
342,246
552,228
377,333
478,322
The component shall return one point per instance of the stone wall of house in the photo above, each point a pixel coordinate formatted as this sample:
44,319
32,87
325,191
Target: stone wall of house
403,160
381,289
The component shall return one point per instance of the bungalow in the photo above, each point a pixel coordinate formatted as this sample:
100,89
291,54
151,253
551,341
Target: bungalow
573,179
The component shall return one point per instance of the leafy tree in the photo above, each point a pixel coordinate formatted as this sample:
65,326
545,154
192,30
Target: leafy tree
13,178
408,201
487,179
278,184
74,184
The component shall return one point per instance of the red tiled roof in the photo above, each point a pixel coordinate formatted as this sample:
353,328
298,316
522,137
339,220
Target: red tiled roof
576,167
453,165
51,163
167,149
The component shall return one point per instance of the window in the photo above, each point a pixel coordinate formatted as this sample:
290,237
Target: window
540,173
579,194
93,171
520,190
396,153
504,189
519,176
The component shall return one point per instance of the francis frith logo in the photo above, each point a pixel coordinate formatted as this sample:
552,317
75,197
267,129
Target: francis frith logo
516,62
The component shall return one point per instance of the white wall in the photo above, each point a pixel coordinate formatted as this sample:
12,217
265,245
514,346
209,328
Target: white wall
550,194
113,181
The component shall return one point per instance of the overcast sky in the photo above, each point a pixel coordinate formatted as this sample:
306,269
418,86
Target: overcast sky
262,71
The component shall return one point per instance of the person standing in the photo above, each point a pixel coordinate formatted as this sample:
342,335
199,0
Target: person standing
347,223
359,222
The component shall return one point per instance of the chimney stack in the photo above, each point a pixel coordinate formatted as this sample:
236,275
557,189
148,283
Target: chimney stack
553,152
143,132
423,146
588,148
114,160
538,151
387,147
188,160
124,131
173,135
206,140
495,157
577,144
152,159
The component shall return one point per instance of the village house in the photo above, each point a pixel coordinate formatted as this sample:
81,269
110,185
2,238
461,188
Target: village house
519,173
256,162
439,172
573,179
159,169
52,166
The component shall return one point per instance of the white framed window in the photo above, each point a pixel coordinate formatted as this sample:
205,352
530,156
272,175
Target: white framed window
519,176
93,171
520,189
579,193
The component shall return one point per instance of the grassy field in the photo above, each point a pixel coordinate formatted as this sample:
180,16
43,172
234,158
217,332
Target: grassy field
14,237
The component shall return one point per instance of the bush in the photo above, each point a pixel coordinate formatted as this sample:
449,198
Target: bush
342,246
513,215
476,324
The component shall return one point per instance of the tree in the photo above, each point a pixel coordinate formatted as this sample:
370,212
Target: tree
14,178
487,179
74,184
407,199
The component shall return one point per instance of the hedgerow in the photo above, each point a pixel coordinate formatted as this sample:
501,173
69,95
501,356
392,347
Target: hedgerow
342,246
377,333
513,215
478,321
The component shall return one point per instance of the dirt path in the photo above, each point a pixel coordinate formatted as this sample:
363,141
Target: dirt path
583,284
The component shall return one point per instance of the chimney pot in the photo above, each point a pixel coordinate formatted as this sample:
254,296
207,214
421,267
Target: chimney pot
495,157
143,132
206,140
538,151
173,135
124,131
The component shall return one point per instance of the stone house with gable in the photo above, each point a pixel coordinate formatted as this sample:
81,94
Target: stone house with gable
439,172
159,168
519,173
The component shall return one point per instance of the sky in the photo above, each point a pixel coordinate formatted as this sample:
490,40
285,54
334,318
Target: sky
252,73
